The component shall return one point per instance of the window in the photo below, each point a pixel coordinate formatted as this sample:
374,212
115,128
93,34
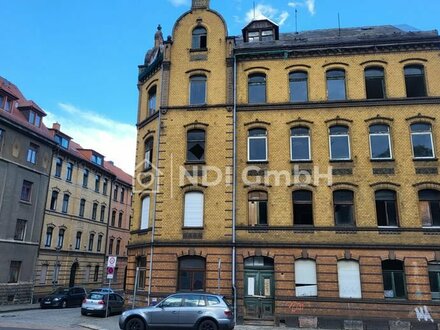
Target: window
152,100
14,271
87,273
97,159
61,238
375,83
298,86
99,244
104,187
94,210
96,274
26,191
434,279
49,232
2,101
257,201
113,218
335,85
69,172
305,278
339,143
421,139
58,167
393,279
302,207
380,142
85,177
78,240
343,207
195,145
53,200
145,217
260,35
97,182
102,217
120,220
20,230
199,38
148,160
257,88
32,154
429,205
82,206
62,141
91,239
34,118
197,94
300,144
8,105
415,81
122,195
386,208
141,262
43,274
110,246
349,279
191,274
65,207
118,246
193,213
257,145
115,193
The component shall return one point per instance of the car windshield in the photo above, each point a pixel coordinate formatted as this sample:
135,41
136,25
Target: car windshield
61,291
95,296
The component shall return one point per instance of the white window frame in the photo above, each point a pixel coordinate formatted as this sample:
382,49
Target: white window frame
192,217
308,143
249,148
306,275
389,144
206,90
352,292
348,141
432,143
145,213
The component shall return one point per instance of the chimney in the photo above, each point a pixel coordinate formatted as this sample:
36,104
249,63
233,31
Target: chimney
56,126
200,4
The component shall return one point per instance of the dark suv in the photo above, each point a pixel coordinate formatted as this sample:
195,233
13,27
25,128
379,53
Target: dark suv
64,297
202,311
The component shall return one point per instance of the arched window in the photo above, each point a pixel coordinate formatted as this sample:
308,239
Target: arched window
257,201
145,214
53,200
91,239
415,81
118,246
148,158
120,220
300,144
302,207
94,210
339,143
195,145
434,279
257,88
65,203
421,140
191,274
49,232
349,279
61,238
393,279
152,92
380,142
78,240
375,83
110,246
336,84
429,205
199,38
193,213
343,205
197,90
305,278
386,208
58,167
298,86
257,145
99,243
113,218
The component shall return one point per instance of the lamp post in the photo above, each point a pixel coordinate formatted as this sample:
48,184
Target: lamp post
56,269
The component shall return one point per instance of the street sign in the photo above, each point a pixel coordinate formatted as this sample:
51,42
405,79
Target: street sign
110,272
111,262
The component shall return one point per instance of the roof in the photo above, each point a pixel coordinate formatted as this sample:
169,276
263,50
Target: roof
120,174
337,37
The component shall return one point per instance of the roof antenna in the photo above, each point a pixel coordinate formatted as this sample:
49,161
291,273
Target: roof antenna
339,25
254,11
296,21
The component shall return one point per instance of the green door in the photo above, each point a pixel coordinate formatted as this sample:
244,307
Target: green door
259,294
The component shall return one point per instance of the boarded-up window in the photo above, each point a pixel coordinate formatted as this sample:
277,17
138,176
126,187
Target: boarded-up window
193,215
305,278
349,279
145,217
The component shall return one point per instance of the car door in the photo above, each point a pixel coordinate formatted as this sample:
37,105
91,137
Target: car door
119,303
71,298
192,309
167,312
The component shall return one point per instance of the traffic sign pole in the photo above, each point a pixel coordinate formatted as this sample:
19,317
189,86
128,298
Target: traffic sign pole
111,264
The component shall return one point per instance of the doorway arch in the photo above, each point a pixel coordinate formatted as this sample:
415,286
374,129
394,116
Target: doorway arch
73,270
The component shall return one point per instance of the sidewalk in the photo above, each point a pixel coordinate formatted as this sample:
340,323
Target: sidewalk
17,308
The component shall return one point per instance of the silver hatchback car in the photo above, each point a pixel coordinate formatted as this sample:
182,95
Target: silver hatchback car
202,311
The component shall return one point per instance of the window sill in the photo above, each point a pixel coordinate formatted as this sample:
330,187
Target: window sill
202,106
256,162
192,228
341,160
425,159
309,161
25,202
194,163
382,160
198,50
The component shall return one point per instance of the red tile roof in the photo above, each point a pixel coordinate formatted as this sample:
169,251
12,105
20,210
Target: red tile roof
120,174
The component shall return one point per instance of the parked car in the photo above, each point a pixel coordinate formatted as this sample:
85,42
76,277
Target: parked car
202,311
96,304
103,290
64,297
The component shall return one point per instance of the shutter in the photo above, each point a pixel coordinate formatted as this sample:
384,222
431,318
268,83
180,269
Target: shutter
145,218
305,278
349,279
193,216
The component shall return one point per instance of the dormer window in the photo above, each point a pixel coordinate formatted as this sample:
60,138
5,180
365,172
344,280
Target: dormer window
199,38
97,159
260,30
261,35
62,141
34,118
5,103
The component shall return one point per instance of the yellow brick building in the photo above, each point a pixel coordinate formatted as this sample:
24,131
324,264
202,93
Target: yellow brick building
326,210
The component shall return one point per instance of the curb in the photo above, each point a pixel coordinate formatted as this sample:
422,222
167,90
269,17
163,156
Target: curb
18,309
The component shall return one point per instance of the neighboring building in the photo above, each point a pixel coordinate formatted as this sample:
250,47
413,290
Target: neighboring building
119,224
25,160
359,106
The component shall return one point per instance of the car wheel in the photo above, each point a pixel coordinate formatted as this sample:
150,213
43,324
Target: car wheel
134,324
83,313
208,325
64,304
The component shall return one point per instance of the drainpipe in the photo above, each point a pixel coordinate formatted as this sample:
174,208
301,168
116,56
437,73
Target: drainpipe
234,188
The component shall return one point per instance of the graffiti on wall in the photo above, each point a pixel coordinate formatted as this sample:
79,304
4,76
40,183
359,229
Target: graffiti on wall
296,307
423,314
